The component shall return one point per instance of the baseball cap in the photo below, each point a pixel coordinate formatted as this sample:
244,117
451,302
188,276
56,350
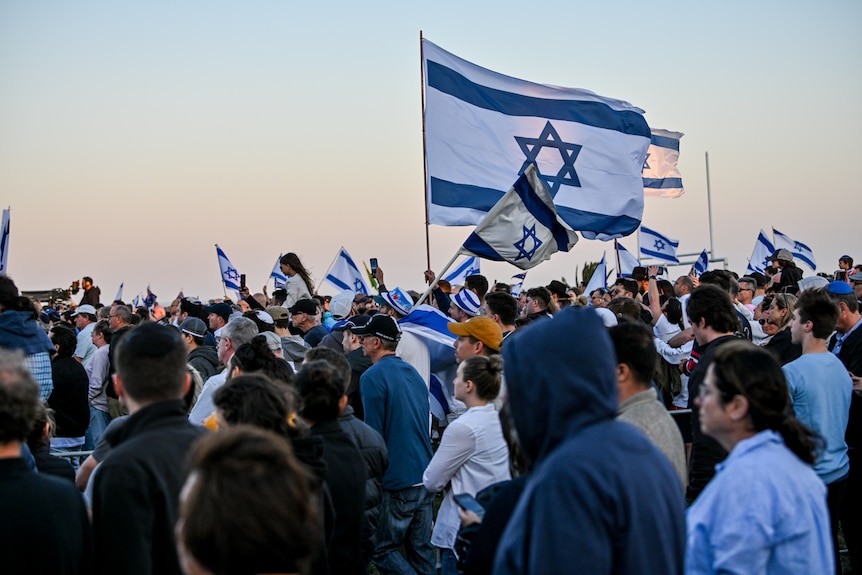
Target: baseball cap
341,304
272,340
222,310
194,326
86,308
467,301
352,322
397,299
782,254
482,328
380,325
857,277
277,312
304,306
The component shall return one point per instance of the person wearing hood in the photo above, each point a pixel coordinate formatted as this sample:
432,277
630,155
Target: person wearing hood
203,358
601,498
19,329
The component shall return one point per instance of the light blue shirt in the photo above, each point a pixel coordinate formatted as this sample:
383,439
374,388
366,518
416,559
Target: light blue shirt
764,512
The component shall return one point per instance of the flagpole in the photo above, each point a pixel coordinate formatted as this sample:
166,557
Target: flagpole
424,151
317,289
437,278
223,287
709,205
617,251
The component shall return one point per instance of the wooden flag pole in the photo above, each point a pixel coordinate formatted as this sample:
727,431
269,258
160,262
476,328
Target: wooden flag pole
437,279
424,152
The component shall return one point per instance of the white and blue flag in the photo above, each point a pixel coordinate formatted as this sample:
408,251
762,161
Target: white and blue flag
799,250
658,246
627,262
523,227
229,275
345,275
763,249
470,266
4,244
661,175
278,278
119,296
482,129
518,285
599,278
702,263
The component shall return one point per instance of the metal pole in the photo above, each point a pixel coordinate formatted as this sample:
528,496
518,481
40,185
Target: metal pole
424,150
709,206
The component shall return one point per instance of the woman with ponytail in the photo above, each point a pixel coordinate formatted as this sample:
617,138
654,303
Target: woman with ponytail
765,509
298,285
472,454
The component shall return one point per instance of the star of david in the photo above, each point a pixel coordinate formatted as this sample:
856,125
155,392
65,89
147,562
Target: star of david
797,246
646,162
659,245
521,245
231,274
549,138
357,285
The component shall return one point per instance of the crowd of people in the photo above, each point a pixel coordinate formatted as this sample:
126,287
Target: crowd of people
705,425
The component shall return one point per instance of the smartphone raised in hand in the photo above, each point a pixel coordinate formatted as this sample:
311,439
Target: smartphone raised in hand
468,503
373,262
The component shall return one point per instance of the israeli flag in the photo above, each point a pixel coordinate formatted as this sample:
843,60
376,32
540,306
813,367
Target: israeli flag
137,302
599,278
702,263
627,262
229,275
345,275
518,285
150,300
468,267
799,250
119,296
763,249
661,176
655,245
482,129
278,278
4,243
523,228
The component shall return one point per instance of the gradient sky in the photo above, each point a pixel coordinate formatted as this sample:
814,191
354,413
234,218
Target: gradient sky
135,137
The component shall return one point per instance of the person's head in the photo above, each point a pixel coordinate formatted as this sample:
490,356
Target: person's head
720,278
191,308
625,308
538,299
86,282
501,307
102,333
711,313
478,284
8,293
279,296
465,304
682,286
781,310
218,315
121,316
320,386
151,365
600,297
261,319
303,314
247,506
19,398
636,357
815,316
477,336
256,356
479,378
235,334
747,288
379,337
559,293
64,340
845,263
848,305
291,266
334,358
253,399
84,315
349,340
781,258
395,302
193,331
744,393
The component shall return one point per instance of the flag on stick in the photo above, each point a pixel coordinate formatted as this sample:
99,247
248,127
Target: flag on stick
628,262
799,250
760,255
702,263
518,285
278,278
119,296
599,278
656,245
345,275
229,275
470,266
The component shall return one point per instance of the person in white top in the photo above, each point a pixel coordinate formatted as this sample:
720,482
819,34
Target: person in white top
472,454
299,284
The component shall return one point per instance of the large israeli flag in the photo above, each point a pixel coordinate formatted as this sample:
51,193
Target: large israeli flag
660,172
470,266
761,253
523,227
482,129
345,275
658,246
4,244
799,250
229,275
627,262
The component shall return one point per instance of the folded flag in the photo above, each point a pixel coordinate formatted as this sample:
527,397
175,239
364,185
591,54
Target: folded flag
470,266
229,275
702,263
345,275
483,128
278,278
627,262
599,278
655,245
661,175
523,228
760,255
799,250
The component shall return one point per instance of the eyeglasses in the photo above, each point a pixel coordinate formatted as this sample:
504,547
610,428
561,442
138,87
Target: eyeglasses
745,289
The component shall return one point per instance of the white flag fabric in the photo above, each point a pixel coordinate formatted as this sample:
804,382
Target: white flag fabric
470,266
229,275
702,263
599,278
661,175
482,129
518,285
119,296
658,246
345,275
4,244
523,228
799,250
278,278
761,253
628,262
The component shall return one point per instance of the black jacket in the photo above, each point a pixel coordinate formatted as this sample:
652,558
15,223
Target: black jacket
204,358
69,397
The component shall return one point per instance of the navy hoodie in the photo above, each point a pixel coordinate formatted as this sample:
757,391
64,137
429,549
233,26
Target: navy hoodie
601,498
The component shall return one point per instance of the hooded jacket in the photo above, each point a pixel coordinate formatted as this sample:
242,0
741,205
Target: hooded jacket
601,497
19,330
204,358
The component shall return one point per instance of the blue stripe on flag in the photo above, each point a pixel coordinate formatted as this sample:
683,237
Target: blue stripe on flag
662,183
659,255
595,114
543,214
338,283
665,142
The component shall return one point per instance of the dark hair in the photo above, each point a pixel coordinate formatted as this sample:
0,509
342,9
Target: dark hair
257,357
477,282
65,340
629,285
38,438
143,313
19,397
711,303
334,358
686,281
847,260
816,306
249,506
292,260
192,308
278,296
742,368
87,279
151,361
633,343
848,299
720,278
665,288
320,386
503,305
254,400
625,307
503,288
484,372
8,293
673,309
542,294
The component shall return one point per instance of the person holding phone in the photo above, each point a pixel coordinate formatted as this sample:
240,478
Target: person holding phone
473,453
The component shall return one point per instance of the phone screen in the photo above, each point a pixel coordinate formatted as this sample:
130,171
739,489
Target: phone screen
373,265
468,503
